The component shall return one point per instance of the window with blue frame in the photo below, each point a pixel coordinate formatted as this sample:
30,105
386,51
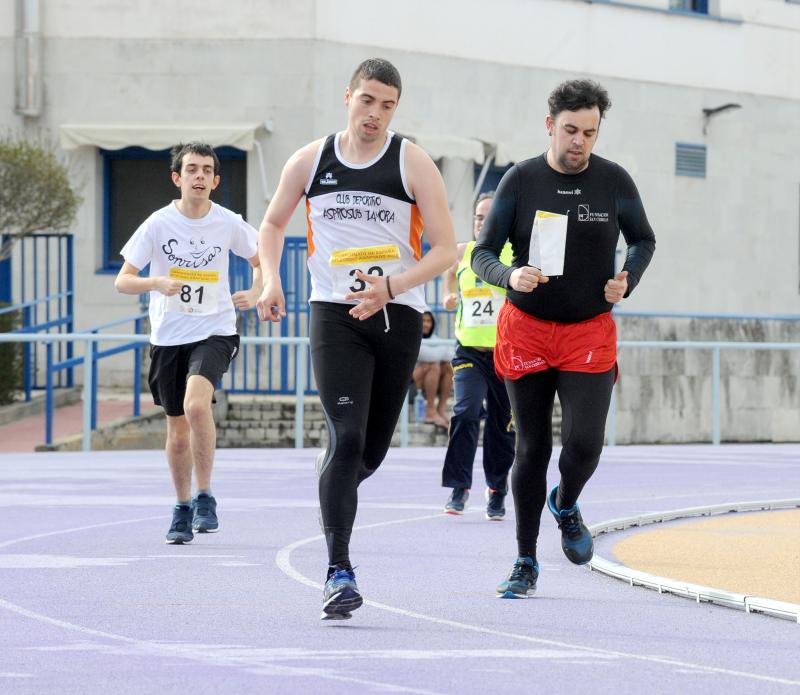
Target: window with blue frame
696,6
137,181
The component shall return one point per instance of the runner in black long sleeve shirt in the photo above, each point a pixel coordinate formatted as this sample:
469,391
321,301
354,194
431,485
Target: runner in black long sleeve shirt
556,334
600,202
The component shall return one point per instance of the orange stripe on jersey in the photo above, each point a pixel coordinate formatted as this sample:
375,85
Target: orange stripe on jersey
310,232
415,233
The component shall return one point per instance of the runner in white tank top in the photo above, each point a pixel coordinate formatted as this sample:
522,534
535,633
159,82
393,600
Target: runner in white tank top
367,194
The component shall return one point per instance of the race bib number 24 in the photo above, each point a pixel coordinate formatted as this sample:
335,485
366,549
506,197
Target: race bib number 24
480,307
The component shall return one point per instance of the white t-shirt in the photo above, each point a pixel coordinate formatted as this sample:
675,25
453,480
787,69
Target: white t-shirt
195,252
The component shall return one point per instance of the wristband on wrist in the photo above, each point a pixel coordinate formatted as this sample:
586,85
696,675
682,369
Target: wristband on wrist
389,287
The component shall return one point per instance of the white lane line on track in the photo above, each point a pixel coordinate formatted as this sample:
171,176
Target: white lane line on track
283,560
13,541
190,652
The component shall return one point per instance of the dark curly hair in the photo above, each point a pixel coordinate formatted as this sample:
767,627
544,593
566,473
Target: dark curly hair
573,95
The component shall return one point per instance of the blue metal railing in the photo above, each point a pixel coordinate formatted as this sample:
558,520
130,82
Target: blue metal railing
30,354
41,261
269,368
300,346
54,368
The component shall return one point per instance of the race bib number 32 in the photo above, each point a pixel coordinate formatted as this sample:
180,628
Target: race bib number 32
370,260
199,291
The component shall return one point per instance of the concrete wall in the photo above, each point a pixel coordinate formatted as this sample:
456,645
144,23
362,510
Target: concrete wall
664,396
726,244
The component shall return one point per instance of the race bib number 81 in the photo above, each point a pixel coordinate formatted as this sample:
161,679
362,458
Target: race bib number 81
199,291
370,260
480,306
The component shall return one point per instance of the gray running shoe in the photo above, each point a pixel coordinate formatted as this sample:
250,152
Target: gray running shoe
205,514
180,531
457,501
495,504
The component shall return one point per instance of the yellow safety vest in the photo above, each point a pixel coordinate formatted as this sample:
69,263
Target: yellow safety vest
478,302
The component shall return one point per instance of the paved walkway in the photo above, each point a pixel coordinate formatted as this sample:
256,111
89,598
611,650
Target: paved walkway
27,433
92,601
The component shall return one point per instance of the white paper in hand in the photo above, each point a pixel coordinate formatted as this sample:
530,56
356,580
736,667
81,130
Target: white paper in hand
548,241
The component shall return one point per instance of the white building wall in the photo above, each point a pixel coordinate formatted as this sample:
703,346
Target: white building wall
726,244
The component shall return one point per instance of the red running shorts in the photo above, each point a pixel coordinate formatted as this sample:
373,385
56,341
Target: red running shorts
526,344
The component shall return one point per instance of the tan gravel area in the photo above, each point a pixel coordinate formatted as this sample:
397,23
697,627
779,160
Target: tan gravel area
757,554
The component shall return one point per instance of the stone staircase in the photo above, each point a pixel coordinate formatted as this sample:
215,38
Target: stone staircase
268,421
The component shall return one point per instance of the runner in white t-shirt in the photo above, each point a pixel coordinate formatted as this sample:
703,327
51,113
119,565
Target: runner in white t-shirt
193,321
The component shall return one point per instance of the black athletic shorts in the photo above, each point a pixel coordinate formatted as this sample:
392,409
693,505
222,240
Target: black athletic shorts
172,365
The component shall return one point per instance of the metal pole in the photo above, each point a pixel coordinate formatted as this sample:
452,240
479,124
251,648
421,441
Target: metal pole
715,405
88,389
94,385
49,405
137,372
300,389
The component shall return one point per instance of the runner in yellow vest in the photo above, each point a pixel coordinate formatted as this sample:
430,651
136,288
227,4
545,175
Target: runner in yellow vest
475,381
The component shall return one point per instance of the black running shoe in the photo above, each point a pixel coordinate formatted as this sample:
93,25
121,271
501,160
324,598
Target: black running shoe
205,514
576,541
457,501
521,582
181,530
495,504
340,596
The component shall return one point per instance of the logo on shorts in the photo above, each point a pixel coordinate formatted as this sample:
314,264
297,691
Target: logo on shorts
519,364
328,180
344,400
589,357
585,215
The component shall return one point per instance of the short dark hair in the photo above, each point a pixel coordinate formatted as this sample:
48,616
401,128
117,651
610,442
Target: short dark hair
573,95
377,69
486,195
201,148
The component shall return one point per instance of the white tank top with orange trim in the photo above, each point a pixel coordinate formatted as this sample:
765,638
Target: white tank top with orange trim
361,216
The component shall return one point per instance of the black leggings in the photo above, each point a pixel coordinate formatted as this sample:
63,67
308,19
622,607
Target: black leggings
363,373
584,401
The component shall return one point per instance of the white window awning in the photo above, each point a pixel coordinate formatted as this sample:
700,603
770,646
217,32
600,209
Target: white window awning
474,149
157,137
438,146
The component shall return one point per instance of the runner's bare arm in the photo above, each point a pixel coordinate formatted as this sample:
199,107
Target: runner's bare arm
271,305
246,299
129,282
450,299
426,185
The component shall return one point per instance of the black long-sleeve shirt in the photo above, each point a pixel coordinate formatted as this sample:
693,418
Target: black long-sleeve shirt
599,202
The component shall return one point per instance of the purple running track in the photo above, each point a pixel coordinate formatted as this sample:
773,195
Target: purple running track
93,601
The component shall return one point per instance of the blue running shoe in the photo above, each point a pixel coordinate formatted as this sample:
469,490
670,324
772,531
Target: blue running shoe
341,596
521,582
576,541
205,514
180,531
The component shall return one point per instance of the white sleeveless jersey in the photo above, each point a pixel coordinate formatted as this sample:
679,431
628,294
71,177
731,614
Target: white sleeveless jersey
361,216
